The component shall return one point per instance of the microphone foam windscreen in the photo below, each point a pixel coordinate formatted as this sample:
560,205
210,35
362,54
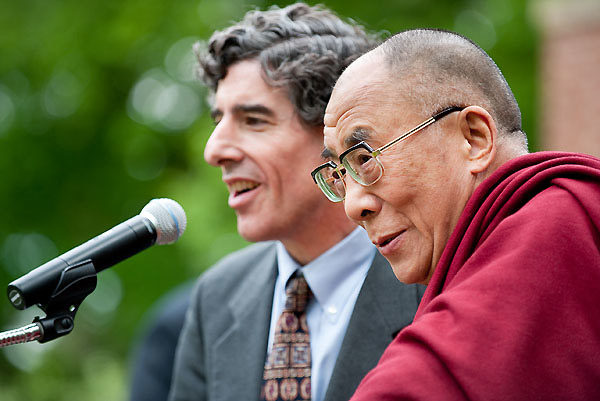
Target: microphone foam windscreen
168,218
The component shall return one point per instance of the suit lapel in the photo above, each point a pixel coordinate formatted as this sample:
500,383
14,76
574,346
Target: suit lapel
384,306
240,352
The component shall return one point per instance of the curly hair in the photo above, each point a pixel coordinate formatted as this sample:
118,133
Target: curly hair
300,48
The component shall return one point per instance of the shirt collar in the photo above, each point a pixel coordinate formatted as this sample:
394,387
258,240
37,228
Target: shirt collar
335,274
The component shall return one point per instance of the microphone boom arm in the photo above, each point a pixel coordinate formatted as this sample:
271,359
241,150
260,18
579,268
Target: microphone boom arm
21,335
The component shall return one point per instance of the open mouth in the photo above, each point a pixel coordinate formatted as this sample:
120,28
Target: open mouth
240,187
383,242
387,241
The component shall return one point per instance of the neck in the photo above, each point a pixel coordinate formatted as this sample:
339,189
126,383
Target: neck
506,151
309,242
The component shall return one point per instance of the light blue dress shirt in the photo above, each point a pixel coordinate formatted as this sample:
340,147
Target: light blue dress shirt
335,278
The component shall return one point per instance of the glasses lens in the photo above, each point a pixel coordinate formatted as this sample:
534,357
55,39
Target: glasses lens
362,166
331,183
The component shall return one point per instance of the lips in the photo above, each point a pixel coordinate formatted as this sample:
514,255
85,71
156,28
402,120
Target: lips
239,187
387,243
384,240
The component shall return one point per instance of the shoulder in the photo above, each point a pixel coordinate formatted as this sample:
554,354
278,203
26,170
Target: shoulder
556,214
240,261
551,238
227,273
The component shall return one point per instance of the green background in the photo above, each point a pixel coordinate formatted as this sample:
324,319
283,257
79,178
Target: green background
100,112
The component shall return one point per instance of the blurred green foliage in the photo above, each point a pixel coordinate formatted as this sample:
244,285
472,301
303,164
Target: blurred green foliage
100,112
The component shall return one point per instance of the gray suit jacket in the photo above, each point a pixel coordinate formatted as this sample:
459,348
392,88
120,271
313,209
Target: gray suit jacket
222,349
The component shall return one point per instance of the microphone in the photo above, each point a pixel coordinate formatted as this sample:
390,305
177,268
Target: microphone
161,221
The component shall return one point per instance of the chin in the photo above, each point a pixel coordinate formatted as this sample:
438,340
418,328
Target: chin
253,231
250,235
408,274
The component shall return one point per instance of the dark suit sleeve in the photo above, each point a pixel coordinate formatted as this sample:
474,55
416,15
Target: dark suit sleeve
189,374
154,356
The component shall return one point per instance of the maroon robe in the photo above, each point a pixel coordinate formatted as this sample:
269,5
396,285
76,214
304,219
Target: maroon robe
512,311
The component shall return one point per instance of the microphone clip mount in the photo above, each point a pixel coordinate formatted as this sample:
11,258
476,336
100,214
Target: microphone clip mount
76,282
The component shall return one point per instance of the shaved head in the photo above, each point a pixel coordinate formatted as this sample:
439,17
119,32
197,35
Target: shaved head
436,69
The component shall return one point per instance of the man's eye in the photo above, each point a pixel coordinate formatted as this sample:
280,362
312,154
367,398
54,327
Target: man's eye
254,121
362,159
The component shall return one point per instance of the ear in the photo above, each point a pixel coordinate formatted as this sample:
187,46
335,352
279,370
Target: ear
480,134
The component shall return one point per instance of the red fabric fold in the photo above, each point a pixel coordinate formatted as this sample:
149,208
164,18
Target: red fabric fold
512,311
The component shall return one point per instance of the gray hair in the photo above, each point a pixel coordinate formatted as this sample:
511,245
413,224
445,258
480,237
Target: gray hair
437,69
300,48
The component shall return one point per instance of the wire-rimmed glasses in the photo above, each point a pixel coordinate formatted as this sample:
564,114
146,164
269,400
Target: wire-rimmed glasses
362,163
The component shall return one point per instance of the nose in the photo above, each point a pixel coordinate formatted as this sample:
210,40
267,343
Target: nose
222,146
360,204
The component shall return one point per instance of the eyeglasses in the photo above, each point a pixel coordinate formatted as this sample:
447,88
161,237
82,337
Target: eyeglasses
362,163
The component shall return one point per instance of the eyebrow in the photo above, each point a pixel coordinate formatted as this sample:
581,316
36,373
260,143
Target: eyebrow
328,154
245,108
359,134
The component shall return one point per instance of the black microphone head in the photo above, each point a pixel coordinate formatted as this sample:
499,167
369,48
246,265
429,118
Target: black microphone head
168,219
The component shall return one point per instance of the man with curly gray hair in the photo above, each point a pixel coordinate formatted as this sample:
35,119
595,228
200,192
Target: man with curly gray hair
305,313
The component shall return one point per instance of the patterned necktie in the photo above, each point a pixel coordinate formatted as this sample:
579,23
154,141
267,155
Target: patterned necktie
287,370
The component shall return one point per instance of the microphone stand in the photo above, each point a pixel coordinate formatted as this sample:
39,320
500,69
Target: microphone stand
76,282
21,335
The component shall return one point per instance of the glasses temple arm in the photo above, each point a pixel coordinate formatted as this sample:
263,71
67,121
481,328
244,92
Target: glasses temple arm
406,135
419,127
